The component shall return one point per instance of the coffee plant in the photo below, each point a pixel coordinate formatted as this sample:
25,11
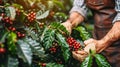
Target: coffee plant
31,35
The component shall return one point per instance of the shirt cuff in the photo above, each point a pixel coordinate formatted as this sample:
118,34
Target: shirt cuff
117,18
79,10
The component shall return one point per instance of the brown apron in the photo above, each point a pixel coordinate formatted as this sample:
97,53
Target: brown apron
104,13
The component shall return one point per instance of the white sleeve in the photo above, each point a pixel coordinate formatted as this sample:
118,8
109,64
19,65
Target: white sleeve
117,8
80,7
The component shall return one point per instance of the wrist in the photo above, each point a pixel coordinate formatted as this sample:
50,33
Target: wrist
106,41
69,22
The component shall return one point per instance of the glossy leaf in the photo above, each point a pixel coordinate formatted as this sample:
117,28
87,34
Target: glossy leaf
12,62
41,15
11,40
31,33
12,12
83,32
35,46
60,28
3,35
101,61
87,62
24,51
60,17
17,6
59,4
64,46
48,38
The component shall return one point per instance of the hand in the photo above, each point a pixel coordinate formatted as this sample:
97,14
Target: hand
98,45
79,55
68,26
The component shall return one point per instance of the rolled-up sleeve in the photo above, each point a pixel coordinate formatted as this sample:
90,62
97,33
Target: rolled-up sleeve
80,7
117,8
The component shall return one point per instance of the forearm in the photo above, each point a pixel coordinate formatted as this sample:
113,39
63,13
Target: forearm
75,19
113,34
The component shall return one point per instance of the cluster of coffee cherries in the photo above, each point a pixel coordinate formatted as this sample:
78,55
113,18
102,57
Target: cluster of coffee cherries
2,49
73,44
20,35
12,28
54,47
53,50
41,24
8,22
31,16
6,19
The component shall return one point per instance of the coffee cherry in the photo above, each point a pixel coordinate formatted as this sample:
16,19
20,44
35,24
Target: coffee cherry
2,14
43,64
2,50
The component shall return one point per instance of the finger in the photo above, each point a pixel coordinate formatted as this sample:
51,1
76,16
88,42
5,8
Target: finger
86,42
75,55
81,52
90,47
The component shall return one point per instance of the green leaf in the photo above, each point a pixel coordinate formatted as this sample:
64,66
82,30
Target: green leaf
59,27
3,35
24,51
48,38
59,4
20,7
101,61
36,47
12,36
11,40
12,62
12,12
60,17
64,46
83,32
31,33
87,62
45,30
54,65
21,18
41,15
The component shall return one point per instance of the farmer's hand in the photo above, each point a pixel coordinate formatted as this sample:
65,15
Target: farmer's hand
97,45
68,26
74,19
79,55
112,36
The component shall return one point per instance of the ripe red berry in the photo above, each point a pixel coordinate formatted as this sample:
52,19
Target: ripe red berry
2,14
13,29
2,50
43,64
